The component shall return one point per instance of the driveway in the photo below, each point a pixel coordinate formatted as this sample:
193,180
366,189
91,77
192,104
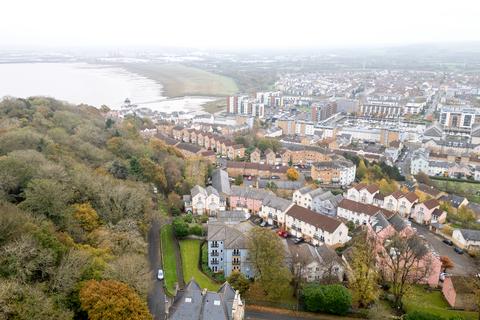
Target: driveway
156,296
464,264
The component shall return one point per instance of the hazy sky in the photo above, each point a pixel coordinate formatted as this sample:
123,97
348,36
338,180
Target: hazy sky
236,23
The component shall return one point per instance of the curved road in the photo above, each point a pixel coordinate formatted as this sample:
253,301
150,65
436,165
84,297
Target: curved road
156,296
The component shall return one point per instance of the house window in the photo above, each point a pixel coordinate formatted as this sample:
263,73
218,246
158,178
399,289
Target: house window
214,244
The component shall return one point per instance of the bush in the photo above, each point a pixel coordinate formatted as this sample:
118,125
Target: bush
334,299
188,218
423,315
197,230
180,228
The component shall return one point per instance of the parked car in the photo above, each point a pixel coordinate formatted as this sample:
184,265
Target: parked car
443,275
160,274
263,224
448,241
458,250
274,177
298,240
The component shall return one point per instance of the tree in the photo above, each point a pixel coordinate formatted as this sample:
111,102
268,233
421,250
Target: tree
239,282
334,299
272,186
404,262
386,186
292,174
267,256
46,197
363,274
86,216
22,302
447,263
423,178
112,300
361,170
238,180
174,202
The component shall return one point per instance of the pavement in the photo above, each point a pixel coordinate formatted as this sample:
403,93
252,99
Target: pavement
464,264
156,297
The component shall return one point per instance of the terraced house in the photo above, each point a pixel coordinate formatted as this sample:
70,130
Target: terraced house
314,227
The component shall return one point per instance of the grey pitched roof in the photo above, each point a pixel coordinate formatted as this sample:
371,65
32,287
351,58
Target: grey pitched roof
198,189
379,222
234,236
454,200
276,202
212,190
252,193
434,131
305,190
220,181
473,235
192,303
397,222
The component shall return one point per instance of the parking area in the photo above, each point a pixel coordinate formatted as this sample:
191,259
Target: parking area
464,264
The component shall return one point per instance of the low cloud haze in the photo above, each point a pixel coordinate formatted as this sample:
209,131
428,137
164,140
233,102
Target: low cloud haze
236,24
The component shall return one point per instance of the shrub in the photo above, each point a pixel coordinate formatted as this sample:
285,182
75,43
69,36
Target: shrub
180,228
197,230
334,299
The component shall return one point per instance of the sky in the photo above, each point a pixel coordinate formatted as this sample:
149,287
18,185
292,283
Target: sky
236,23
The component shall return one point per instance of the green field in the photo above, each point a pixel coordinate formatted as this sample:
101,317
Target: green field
432,302
168,258
215,106
179,80
190,251
463,188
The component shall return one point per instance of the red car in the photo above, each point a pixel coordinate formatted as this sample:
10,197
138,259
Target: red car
283,233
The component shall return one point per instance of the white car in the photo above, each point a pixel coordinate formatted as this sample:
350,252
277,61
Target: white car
160,274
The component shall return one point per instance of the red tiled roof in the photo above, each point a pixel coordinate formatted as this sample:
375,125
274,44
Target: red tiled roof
313,218
432,203
411,196
368,209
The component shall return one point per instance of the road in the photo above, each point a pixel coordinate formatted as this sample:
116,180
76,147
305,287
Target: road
156,296
264,315
464,264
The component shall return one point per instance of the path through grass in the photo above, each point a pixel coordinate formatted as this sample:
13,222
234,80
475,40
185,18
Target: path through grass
190,251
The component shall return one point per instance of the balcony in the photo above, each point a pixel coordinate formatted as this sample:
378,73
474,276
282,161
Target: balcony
236,254
319,237
236,262
214,254
213,261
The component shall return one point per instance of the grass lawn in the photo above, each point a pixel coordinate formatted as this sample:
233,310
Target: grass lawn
466,189
190,251
179,80
168,257
255,295
215,106
433,302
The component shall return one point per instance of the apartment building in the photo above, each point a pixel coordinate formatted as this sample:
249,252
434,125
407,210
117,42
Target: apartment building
227,247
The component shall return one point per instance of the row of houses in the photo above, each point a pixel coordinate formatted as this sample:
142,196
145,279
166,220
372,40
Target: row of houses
209,141
364,200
